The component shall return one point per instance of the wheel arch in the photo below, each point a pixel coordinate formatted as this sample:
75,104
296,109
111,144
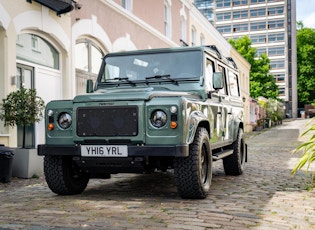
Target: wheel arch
195,120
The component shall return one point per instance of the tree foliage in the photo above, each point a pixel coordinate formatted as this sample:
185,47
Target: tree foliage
305,64
262,83
308,153
22,107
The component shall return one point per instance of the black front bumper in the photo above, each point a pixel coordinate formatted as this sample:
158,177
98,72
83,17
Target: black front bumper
133,151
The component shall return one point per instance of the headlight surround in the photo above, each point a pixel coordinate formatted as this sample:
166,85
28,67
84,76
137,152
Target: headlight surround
158,118
64,120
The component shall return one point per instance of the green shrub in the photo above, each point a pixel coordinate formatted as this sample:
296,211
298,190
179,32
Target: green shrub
308,151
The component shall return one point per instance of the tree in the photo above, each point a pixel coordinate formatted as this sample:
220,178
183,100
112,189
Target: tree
22,107
262,83
305,64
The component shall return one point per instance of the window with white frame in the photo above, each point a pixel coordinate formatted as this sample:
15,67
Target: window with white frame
258,12
240,14
32,48
224,16
127,4
88,59
240,27
202,40
256,39
276,37
223,3
276,51
276,24
224,29
193,36
167,19
275,11
183,29
256,26
277,64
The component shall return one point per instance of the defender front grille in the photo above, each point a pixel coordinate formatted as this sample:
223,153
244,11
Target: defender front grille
107,121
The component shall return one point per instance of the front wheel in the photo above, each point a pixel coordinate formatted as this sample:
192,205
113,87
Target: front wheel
193,174
63,176
235,163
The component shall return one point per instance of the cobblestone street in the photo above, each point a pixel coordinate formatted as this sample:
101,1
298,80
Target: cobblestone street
266,196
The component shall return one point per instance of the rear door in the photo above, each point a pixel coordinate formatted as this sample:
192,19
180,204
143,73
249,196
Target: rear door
217,104
224,114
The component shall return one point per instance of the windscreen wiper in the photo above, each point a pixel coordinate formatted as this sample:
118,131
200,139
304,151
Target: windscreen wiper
167,76
125,79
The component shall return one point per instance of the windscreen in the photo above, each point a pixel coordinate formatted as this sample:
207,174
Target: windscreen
141,67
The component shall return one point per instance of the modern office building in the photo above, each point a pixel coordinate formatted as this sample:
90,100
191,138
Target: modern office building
271,26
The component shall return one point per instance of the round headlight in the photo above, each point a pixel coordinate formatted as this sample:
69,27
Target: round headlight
65,120
173,109
50,113
158,118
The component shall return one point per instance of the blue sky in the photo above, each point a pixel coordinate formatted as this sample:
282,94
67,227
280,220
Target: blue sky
305,11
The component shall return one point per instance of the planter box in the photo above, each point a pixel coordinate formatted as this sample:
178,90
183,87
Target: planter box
27,164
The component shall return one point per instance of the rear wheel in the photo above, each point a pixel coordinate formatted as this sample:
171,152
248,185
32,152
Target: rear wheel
63,176
193,174
235,163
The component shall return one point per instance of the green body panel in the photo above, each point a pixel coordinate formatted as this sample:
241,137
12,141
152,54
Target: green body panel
196,105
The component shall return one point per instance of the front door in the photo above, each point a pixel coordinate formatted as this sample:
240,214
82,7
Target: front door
25,78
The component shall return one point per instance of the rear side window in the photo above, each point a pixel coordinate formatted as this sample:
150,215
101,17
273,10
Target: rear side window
224,90
233,84
209,75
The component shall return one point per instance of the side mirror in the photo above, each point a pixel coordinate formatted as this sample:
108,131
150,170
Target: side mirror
89,86
218,82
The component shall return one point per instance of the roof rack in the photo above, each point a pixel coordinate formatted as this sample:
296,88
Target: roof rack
215,49
231,60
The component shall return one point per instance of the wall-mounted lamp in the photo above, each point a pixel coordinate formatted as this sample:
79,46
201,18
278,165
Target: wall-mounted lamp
244,99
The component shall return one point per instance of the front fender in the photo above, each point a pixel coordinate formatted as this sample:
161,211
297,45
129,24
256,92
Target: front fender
195,118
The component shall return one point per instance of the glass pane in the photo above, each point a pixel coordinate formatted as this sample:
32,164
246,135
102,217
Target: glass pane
27,79
233,84
34,49
81,56
96,57
178,65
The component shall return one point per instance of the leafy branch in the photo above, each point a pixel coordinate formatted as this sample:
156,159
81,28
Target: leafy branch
22,107
308,157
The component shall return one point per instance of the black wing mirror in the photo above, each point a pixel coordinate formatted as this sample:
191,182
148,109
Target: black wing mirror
89,86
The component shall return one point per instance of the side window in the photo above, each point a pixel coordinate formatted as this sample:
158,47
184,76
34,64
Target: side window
233,84
224,90
209,75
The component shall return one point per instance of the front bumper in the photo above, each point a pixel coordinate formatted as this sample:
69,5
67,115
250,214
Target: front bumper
133,151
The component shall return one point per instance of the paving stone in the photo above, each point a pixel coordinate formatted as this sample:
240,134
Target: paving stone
265,197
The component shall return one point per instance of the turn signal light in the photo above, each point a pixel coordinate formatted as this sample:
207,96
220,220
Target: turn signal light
50,126
173,124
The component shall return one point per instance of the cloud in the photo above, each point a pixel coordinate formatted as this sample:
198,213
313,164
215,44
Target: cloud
309,21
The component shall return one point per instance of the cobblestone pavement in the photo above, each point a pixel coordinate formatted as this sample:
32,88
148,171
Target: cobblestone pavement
266,196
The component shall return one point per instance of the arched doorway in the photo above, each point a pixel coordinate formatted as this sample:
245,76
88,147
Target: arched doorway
37,61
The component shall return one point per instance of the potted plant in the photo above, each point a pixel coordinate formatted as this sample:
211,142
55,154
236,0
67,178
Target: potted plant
23,108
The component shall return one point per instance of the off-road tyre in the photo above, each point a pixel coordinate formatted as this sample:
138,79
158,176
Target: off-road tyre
193,174
63,177
235,163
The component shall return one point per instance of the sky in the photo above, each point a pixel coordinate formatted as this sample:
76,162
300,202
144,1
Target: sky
305,12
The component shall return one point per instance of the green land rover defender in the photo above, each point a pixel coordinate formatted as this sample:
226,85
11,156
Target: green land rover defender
174,109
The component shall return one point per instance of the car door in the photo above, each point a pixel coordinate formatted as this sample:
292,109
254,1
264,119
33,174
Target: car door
216,111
